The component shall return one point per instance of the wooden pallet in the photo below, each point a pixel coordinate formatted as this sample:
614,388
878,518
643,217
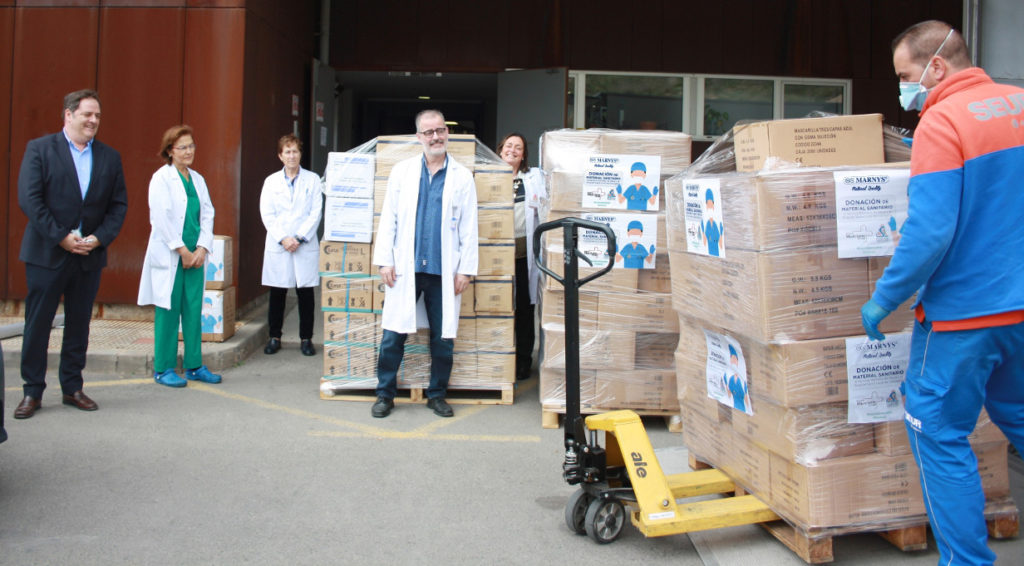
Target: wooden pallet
503,394
551,417
1001,516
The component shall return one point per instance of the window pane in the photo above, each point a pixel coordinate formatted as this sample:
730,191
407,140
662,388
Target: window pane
632,102
800,100
570,104
727,101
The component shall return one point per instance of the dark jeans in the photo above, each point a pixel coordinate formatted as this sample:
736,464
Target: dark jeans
276,313
45,289
524,321
392,346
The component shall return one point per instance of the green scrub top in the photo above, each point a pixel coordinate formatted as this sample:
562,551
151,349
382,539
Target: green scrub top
190,232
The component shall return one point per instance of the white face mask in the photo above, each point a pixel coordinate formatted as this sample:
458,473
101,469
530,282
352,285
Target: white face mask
913,94
634,240
638,180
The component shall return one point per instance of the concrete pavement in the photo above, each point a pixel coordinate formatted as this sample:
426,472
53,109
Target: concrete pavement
260,470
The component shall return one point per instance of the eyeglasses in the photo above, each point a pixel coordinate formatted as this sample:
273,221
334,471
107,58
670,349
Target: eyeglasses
438,131
185,147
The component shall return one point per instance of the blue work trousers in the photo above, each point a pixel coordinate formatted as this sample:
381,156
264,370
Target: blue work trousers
951,376
392,345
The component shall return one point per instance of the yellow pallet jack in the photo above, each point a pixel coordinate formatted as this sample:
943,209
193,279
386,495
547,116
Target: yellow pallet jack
625,474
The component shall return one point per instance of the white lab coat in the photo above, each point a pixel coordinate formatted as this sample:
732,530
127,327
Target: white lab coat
536,192
285,214
167,203
396,242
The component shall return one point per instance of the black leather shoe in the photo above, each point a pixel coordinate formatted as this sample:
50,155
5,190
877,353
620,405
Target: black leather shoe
441,407
307,348
80,400
382,407
273,345
27,407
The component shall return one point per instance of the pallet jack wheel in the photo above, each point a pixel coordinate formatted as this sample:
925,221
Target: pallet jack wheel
605,519
576,511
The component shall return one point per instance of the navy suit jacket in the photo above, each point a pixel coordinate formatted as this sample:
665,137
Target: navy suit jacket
50,196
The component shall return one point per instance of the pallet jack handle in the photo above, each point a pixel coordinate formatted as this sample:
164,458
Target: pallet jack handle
579,456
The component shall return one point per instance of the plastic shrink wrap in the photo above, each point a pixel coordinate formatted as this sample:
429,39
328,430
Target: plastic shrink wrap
780,292
628,330
352,295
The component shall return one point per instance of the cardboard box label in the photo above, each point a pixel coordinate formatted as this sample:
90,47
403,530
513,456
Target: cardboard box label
726,372
812,142
875,369
636,237
219,272
349,175
348,219
702,202
871,206
622,182
344,258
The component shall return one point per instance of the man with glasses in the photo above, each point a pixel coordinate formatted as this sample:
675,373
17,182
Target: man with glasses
71,188
426,246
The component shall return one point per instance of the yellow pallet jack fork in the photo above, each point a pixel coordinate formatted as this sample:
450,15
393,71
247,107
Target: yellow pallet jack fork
626,473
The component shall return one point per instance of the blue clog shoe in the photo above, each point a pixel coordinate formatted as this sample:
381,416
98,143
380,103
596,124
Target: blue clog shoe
169,378
202,374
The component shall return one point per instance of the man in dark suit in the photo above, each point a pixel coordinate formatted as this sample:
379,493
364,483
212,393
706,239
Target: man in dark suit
71,188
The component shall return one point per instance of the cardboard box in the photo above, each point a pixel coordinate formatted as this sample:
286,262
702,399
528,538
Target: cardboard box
774,296
347,293
567,150
464,371
496,222
811,142
349,175
347,360
496,368
380,191
657,280
348,220
870,488
692,392
495,333
218,316
565,191
706,440
637,312
672,147
494,185
392,149
644,390
345,258
599,350
360,329
552,389
379,292
620,280
790,374
748,464
220,264
805,434
655,350
496,257
902,319
552,310
493,295
468,300
465,340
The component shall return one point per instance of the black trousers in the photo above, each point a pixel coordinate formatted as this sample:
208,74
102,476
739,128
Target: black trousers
524,321
276,314
46,286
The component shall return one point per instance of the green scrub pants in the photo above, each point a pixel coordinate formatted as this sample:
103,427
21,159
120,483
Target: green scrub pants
186,306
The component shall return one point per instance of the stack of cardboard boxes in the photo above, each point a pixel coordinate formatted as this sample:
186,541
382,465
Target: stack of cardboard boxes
628,330
352,295
776,295
218,316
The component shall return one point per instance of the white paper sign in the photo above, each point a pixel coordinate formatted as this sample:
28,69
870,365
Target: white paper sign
726,372
348,220
871,205
705,233
622,182
215,262
349,175
635,238
875,370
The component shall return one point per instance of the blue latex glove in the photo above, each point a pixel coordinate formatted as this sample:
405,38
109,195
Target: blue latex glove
618,189
655,191
652,250
892,223
871,314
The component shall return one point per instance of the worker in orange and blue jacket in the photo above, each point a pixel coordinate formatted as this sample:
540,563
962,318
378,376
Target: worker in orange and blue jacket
962,251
